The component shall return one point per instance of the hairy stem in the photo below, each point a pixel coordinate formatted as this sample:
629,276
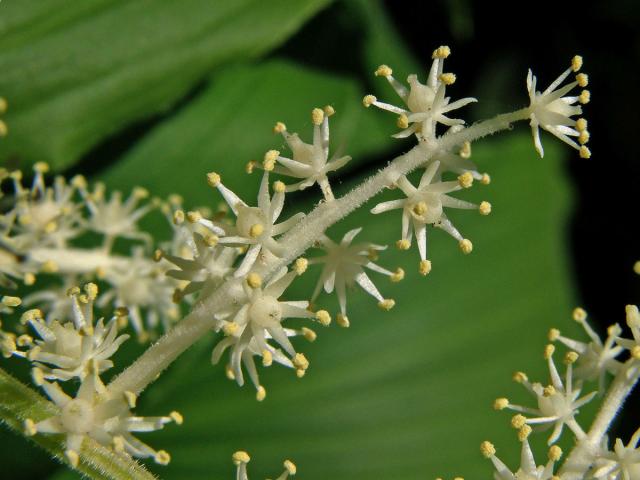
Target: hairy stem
583,454
160,355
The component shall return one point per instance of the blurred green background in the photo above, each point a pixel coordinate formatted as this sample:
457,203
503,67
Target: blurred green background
160,92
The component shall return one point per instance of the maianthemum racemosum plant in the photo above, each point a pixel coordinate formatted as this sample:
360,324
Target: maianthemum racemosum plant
229,269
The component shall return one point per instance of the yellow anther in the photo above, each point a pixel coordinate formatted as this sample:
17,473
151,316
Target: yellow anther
500,403
581,124
576,63
368,100
585,152
584,97
309,334
29,427
240,457
72,457
441,52
24,340
549,391
178,217
228,370
194,216
342,320
261,394
37,375
387,304
279,186
300,362
162,457
579,314
213,179
487,449
41,167
230,328
555,452
403,244
290,467
570,358
300,265
448,78
49,267
91,290
465,150
465,180
520,377
383,71
584,137
635,352
518,421
398,275
549,351
140,192
50,227
177,417
131,398
554,333
73,291
524,432
211,240
279,127
424,267
466,246
256,230
250,166
254,280
582,79
270,158
323,317
9,301
636,267
420,208
300,373
267,358
484,208
403,121
175,199
329,110
317,116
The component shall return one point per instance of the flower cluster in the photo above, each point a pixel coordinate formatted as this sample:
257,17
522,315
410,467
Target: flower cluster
558,404
81,348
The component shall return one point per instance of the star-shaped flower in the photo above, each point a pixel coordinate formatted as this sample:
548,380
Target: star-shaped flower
552,111
426,104
255,226
623,463
424,205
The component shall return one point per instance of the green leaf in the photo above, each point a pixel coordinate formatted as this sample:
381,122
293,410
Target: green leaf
19,402
76,74
407,393
230,124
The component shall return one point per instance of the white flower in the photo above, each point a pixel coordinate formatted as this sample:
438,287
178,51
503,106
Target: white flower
255,226
43,216
114,217
426,104
424,205
240,460
596,358
528,469
94,413
558,403
69,349
260,319
552,111
310,162
623,463
344,264
140,285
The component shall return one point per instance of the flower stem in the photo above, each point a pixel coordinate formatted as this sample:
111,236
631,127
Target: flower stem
583,454
160,355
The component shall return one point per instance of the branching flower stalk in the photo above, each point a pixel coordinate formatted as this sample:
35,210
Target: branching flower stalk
231,273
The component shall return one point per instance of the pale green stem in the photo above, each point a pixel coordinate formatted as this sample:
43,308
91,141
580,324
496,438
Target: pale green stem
160,355
584,453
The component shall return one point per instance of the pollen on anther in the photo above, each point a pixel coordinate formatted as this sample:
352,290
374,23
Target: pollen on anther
290,467
403,121
581,124
441,52
323,317
387,304
254,280
485,208
500,403
279,186
487,449
342,320
162,457
520,377
300,265
194,216
240,457
576,63
466,246
317,116
329,110
279,127
403,244
448,78
555,452
549,351
213,179
518,421
524,432
398,275
584,97
554,333
267,358
583,137
582,79
424,267
579,314
368,100
570,357
585,152
270,160
261,394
